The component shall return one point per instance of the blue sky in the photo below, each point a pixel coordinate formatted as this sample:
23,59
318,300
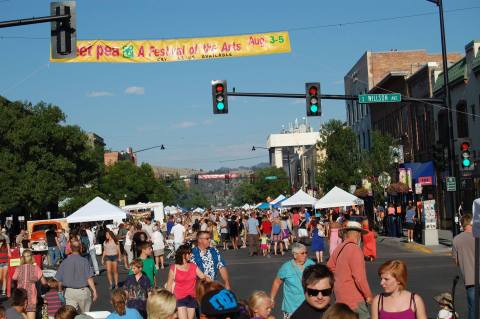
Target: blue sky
143,105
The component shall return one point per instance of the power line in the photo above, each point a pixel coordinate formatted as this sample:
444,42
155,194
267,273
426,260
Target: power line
304,28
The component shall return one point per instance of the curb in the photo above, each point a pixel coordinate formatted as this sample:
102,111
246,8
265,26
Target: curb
417,247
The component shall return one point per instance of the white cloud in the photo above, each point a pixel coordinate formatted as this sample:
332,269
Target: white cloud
137,90
99,93
185,124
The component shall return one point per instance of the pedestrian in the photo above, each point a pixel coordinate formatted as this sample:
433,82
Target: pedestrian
396,301
129,246
178,231
76,276
62,242
182,280
243,230
317,283
91,247
149,268
260,305
121,311
85,247
233,230
121,235
53,298
445,302
277,235
340,311
463,252
66,312
264,244
369,242
147,227
334,238
139,237
111,256
137,286
4,256
253,234
27,275
286,233
391,221
52,243
290,275
224,236
18,304
318,241
348,266
158,245
161,304
302,229
410,219
209,260
266,228
170,224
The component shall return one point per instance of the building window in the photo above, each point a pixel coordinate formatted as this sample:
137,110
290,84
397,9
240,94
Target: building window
462,120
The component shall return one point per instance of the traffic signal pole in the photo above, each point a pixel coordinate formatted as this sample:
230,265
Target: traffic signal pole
328,97
19,22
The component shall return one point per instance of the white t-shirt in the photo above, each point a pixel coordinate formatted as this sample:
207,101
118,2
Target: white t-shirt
157,240
148,229
91,238
178,232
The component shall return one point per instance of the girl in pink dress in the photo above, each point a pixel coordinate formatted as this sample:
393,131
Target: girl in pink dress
334,238
26,275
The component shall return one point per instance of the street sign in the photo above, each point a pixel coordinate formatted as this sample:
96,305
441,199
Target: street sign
418,188
451,184
271,178
379,98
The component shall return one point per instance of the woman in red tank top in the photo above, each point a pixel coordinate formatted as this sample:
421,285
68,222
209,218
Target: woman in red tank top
396,302
182,280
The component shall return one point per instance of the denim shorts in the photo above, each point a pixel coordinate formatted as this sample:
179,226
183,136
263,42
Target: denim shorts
188,302
111,258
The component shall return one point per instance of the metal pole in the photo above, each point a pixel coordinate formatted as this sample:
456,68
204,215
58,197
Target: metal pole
289,172
448,102
477,287
14,23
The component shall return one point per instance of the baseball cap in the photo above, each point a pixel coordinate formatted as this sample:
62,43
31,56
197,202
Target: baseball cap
220,304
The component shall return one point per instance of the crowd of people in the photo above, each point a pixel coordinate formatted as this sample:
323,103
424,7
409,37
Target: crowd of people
198,283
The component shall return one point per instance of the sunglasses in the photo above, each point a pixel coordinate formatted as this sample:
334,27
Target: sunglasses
314,292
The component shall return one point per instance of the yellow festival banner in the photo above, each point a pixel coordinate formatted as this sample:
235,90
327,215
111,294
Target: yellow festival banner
172,50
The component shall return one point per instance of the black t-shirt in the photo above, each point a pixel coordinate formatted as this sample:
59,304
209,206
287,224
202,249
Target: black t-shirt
305,311
51,238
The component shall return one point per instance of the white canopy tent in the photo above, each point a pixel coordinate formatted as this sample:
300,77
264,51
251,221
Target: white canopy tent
97,210
198,210
337,197
247,206
278,199
300,198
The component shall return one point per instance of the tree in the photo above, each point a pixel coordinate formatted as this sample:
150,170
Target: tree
342,164
262,187
41,158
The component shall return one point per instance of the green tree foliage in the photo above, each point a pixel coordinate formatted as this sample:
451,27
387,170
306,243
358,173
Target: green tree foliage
343,158
41,158
262,188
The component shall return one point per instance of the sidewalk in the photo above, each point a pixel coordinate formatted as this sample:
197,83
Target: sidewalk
444,247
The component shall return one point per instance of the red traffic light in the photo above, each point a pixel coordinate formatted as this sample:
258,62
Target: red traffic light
464,146
219,88
312,90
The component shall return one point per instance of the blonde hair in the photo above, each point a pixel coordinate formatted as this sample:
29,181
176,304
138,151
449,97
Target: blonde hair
339,311
255,300
161,304
119,301
27,257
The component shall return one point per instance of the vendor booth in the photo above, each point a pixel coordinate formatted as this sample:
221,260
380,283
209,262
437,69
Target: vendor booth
337,197
299,199
97,210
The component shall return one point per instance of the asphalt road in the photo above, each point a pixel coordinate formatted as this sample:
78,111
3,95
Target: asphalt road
429,275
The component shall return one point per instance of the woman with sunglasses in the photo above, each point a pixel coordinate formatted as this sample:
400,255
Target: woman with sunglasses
290,275
317,282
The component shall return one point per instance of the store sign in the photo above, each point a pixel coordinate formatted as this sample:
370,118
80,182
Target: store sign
429,215
425,180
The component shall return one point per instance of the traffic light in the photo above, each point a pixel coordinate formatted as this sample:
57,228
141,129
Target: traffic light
466,162
219,96
312,92
63,39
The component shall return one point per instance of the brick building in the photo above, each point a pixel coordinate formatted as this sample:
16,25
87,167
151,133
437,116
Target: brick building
373,68
110,158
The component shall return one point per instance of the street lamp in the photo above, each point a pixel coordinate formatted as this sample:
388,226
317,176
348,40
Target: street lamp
162,147
254,148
